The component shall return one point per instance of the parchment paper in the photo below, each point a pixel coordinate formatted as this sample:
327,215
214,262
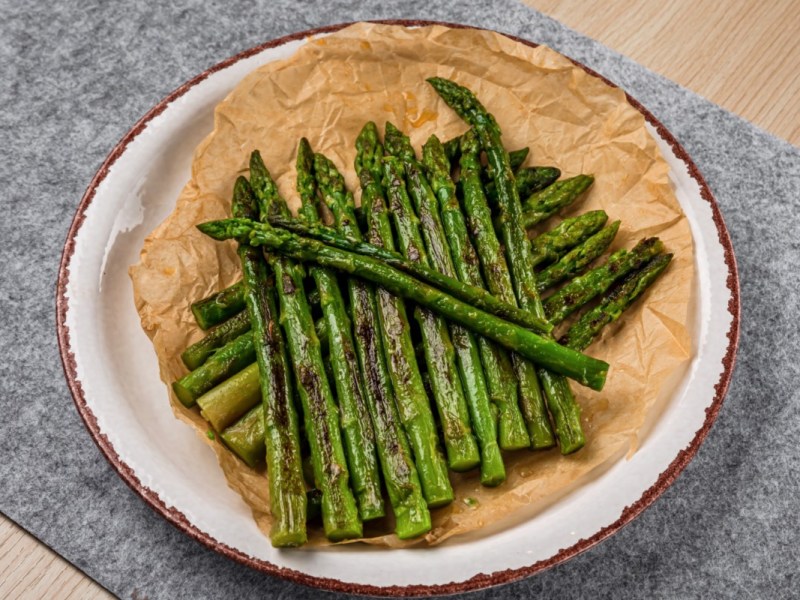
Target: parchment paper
570,119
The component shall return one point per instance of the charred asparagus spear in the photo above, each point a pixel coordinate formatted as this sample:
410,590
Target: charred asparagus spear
227,361
400,475
219,307
512,434
282,436
562,405
582,289
578,258
465,264
339,511
395,334
544,204
246,439
583,369
583,331
448,393
450,231
551,245
495,270
217,337
356,426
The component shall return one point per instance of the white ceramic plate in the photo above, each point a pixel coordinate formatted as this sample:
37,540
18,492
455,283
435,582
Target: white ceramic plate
113,374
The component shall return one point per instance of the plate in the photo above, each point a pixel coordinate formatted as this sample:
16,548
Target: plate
113,374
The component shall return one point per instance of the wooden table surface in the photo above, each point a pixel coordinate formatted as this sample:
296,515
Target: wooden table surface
740,54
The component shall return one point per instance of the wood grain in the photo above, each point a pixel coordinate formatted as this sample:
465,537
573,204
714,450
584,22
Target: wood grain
29,569
740,54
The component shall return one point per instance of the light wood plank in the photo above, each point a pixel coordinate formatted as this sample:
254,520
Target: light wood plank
740,54
29,569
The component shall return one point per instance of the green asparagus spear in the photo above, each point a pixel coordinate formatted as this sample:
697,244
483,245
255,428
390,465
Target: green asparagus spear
528,181
440,357
340,513
219,335
246,439
452,150
270,377
582,289
246,436
562,405
472,295
534,179
395,334
551,245
219,307
583,369
356,427
464,263
321,416
226,402
543,204
583,331
578,258
539,433
517,157
227,361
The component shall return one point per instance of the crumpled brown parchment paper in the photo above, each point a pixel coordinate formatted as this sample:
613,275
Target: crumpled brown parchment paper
572,120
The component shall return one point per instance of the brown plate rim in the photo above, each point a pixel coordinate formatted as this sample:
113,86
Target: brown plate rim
479,581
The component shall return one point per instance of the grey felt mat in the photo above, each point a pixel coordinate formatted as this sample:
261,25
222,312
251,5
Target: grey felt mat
77,75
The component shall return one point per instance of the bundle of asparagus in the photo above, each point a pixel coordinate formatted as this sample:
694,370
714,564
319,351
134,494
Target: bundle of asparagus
312,366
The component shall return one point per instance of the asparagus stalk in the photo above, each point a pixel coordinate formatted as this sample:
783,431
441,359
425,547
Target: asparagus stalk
246,436
219,307
583,331
582,289
495,270
440,357
220,335
583,369
517,157
534,179
464,263
578,258
229,400
562,405
551,245
395,335
227,361
225,403
472,295
543,204
402,480
281,430
355,421
217,337
321,416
